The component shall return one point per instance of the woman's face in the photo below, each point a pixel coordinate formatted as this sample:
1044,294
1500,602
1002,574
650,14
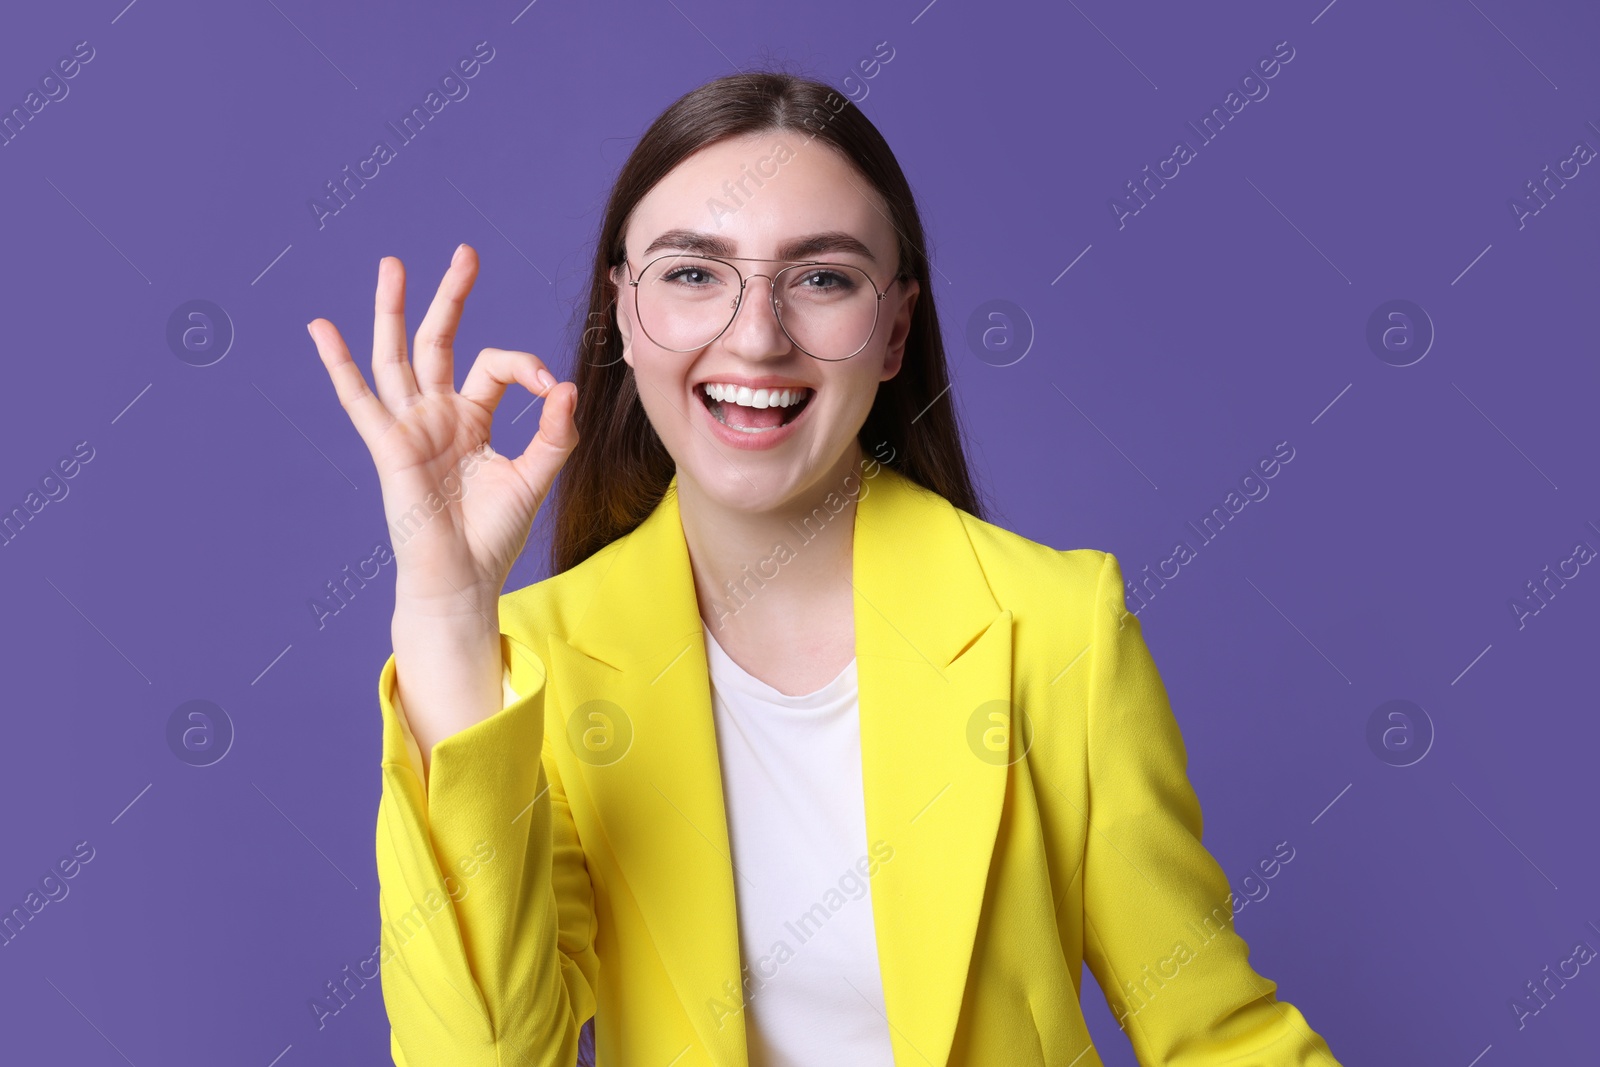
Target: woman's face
747,456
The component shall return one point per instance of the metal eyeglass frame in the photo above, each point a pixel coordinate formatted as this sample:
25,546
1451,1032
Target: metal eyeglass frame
772,295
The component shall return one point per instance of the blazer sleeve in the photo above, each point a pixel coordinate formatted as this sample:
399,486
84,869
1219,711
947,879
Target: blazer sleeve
1158,912
487,954
508,696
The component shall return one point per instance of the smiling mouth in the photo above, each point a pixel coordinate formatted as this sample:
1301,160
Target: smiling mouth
753,411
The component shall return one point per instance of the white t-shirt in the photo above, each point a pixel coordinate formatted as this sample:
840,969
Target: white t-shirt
791,782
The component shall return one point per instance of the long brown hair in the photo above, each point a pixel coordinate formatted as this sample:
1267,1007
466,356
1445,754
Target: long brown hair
620,469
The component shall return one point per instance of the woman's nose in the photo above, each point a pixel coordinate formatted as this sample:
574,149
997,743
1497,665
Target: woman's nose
756,330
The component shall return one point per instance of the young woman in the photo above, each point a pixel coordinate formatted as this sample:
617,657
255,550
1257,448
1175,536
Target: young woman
795,759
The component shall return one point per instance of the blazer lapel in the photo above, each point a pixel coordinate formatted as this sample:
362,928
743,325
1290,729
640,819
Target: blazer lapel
634,668
934,664
933,655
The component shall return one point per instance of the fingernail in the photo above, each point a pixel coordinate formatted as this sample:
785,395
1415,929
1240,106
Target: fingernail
456,257
545,380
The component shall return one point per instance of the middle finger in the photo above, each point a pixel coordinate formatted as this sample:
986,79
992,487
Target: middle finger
437,334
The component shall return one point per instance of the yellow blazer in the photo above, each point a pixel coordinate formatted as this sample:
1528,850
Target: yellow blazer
1018,755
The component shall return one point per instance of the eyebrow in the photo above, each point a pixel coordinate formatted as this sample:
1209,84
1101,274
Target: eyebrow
709,244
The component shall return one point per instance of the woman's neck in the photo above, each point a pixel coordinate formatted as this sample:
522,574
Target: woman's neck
782,573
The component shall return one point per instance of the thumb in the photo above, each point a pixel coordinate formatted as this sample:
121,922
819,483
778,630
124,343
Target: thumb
553,443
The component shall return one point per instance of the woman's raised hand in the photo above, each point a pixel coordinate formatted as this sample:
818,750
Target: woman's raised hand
458,512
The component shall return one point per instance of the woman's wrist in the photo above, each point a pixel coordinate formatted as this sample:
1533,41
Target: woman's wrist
449,673
462,606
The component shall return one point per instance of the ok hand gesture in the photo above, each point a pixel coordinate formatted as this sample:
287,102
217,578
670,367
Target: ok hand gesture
451,559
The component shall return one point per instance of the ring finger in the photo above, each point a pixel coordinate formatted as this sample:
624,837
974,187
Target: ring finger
390,371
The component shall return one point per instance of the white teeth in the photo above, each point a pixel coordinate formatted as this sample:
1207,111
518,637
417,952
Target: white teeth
753,398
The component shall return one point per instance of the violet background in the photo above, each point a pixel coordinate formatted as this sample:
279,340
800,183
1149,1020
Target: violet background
1228,315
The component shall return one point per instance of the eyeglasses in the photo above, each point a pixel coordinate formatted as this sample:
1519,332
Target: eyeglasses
827,310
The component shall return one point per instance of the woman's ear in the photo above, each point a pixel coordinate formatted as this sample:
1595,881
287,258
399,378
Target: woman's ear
624,325
900,329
